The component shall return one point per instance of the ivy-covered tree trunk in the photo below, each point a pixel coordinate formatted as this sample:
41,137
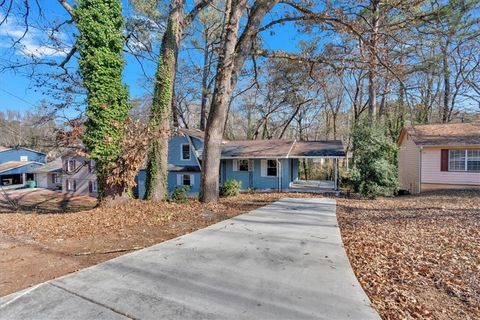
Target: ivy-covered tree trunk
161,111
100,44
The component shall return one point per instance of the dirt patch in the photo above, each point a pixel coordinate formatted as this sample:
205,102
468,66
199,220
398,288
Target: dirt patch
43,201
36,247
416,256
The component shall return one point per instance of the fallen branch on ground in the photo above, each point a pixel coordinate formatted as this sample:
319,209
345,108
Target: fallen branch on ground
107,252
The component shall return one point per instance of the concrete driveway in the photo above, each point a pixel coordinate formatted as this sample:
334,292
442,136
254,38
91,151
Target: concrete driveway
282,261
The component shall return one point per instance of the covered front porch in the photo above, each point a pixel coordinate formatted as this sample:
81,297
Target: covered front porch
276,165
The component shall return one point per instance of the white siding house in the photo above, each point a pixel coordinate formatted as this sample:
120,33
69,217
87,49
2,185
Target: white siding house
439,156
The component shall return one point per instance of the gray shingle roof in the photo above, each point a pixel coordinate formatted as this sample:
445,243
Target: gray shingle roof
333,148
54,166
274,148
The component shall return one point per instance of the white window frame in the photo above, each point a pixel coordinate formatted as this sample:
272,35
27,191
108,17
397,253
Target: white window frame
189,151
70,184
465,165
69,165
56,178
264,168
276,169
24,158
94,186
91,166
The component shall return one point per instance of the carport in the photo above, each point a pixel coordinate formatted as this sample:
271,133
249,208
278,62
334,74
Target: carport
321,151
17,172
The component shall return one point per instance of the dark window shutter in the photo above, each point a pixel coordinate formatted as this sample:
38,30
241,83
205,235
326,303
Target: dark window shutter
444,160
74,185
53,178
90,187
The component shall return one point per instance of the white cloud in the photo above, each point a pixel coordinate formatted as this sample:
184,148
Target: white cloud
34,43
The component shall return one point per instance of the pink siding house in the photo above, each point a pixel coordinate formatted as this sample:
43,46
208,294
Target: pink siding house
439,156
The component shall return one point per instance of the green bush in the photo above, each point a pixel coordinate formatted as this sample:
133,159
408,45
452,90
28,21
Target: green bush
230,187
179,194
374,170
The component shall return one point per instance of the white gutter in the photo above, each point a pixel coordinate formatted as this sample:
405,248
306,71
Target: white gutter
194,149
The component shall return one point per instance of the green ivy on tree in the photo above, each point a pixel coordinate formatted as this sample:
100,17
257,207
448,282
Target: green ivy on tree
374,170
100,44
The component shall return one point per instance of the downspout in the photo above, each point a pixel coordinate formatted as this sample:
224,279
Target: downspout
420,170
279,176
291,161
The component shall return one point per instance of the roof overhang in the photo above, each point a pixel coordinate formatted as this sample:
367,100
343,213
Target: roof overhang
20,166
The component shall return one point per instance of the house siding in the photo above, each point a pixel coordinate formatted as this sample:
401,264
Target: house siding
254,178
172,181
409,165
434,178
16,155
81,176
44,180
175,152
245,177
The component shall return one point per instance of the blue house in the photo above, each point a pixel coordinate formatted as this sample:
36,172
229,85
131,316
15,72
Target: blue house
18,164
268,165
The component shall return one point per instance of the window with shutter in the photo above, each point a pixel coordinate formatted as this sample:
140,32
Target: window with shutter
186,181
463,160
271,168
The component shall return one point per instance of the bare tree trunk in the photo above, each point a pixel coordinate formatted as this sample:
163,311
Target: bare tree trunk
446,83
218,110
232,58
205,91
372,67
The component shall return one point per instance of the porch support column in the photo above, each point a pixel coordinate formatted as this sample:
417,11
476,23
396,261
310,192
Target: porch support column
336,173
24,178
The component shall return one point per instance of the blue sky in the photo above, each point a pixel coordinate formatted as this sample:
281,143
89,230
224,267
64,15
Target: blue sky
19,92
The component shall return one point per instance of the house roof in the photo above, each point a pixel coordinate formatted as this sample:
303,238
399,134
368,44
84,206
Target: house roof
7,166
274,148
308,149
282,149
192,132
2,149
445,134
256,148
54,166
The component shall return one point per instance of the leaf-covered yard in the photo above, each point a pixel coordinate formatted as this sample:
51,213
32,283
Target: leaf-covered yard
416,256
